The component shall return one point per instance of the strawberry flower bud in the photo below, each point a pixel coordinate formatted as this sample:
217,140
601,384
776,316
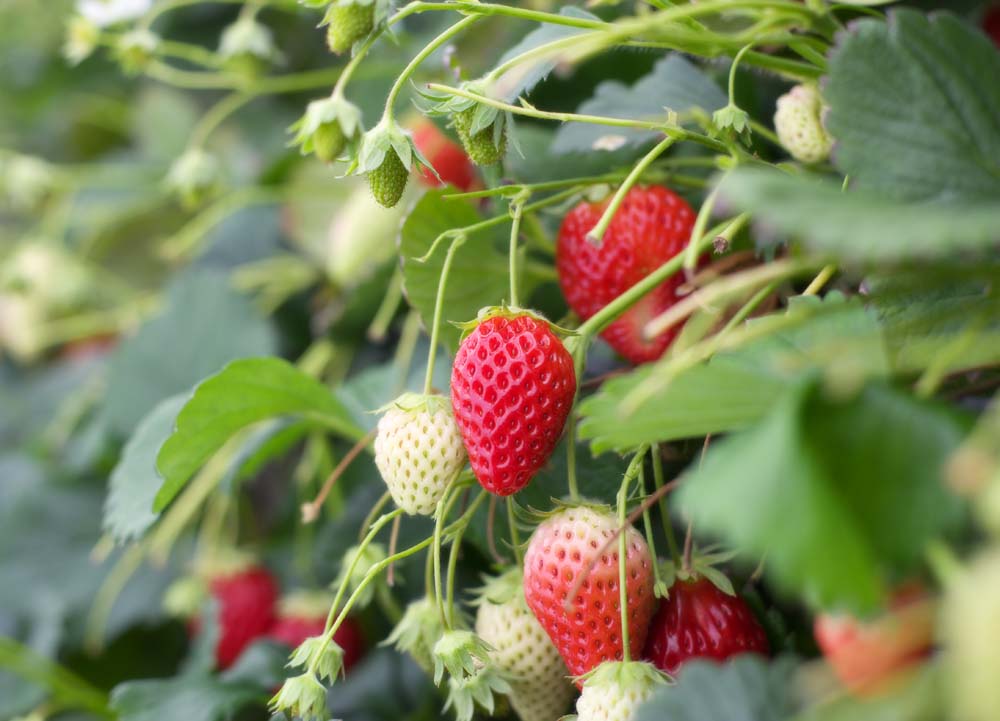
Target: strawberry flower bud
193,176
328,654
301,696
327,127
81,40
247,36
135,49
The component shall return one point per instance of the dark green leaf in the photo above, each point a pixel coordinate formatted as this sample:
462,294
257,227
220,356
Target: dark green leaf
134,482
854,482
746,688
204,326
184,698
915,108
673,85
244,392
478,275
860,226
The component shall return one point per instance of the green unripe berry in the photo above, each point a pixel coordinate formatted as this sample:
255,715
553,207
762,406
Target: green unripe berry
479,146
348,23
388,181
329,141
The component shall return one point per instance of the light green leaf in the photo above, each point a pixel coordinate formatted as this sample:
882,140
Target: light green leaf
134,482
857,226
244,392
674,85
854,482
915,108
204,325
478,271
836,336
746,688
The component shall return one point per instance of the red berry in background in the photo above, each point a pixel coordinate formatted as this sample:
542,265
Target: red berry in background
246,602
652,225
562,548
512,387
699,620
293,630
447,157
991,23
865,654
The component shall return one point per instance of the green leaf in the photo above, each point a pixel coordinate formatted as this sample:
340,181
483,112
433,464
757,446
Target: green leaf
134,482
244,392
836,335
478,271
526,75
674,85
855,482
921,698
204,325
746,688
857,225
183,698
915,108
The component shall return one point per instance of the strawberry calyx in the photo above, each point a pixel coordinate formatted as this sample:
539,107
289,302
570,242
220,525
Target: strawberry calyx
462,653
418,403
623,674
500,589
509,311
562,505
702,565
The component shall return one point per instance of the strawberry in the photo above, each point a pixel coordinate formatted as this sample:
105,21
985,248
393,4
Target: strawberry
616,690
447,158
418,451
482,146
539,690
388,180
347,22
991,24
246,598
652,225
699,620
303,615
512,387
866,654
561,549
799,124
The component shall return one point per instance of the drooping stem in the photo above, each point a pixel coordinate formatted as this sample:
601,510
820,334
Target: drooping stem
373,514
515,535
648,527
456,546
668,527
438,308
596,234
630,473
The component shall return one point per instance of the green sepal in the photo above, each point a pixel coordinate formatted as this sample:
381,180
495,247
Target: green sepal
328,654
417,403
625,674
508,311
321,114
464,694
301,696
460,652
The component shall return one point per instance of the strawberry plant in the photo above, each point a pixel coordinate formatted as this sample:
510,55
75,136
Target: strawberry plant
364,359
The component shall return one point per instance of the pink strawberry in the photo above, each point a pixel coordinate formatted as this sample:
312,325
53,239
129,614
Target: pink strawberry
512,388
590,632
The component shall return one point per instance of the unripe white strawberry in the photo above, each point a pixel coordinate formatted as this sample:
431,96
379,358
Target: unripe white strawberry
615,690
971,639
799,124
418,451
540,688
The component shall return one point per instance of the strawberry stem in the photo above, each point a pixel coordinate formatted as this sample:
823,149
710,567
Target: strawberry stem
648,527
516,210
630,473
668,527
456,243
456,545
596,234
515,536
310,511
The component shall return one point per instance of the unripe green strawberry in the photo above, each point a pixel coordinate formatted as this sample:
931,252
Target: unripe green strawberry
479,146
418,451
348,22
329,141
388,181
799,124
616,690
540,689
971,637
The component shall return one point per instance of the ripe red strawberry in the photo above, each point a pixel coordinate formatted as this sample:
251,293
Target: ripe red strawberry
246,600
302,616
512,387
446,157
866,654
699,620
560,550
652,225
991,23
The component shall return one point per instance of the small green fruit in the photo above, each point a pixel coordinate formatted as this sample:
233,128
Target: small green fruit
799,125
479,146
348,23
388,181
329,141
